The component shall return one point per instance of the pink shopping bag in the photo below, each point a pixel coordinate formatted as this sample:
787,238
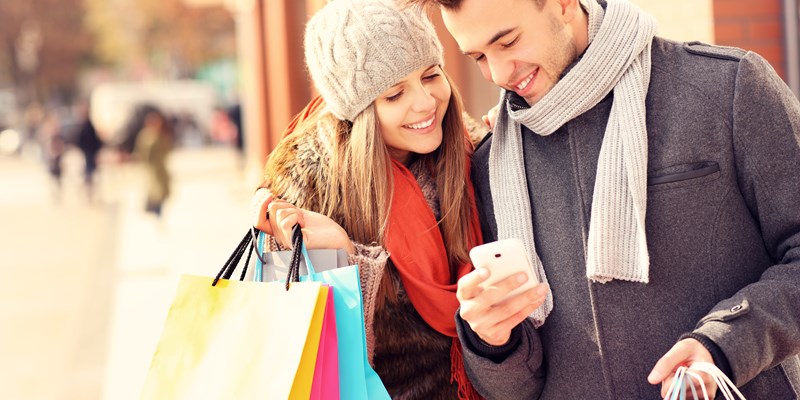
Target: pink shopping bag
326,372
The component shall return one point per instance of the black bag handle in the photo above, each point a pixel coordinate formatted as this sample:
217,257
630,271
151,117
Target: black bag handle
235,257
293,275
249,240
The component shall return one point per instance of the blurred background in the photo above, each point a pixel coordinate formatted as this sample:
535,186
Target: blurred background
132,135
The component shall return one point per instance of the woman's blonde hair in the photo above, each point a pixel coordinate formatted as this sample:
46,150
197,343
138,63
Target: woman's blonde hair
358,191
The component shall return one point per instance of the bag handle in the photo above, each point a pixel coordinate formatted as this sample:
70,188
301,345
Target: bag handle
298,249
685,375
293,274
249,240
309,267
233,260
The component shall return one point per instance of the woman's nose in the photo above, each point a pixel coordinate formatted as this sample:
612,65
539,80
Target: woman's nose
423,100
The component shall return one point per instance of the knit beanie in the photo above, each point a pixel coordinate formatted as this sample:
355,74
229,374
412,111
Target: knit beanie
357,49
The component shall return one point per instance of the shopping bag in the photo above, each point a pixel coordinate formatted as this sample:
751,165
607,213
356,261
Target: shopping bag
276,264
326,374
326,371
219,342
688,379
357,379
226,339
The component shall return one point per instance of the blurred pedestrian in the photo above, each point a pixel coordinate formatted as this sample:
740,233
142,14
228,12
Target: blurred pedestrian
52,145
235,116
153,145
90,145
32,119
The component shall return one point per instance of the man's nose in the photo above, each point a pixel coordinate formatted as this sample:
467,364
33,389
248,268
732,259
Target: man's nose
501,72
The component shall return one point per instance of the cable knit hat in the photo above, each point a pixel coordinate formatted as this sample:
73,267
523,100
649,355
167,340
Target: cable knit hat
356,49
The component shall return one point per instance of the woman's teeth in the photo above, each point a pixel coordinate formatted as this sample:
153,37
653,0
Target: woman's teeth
421,125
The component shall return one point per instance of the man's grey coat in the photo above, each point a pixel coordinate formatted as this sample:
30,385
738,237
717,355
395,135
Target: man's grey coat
723,231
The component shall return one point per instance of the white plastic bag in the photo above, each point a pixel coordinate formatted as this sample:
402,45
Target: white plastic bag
688,378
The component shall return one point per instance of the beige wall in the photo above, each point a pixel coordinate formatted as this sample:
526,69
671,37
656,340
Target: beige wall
682,20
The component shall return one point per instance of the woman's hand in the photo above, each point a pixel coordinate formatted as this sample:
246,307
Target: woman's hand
259,204
491,117
321,232
277,218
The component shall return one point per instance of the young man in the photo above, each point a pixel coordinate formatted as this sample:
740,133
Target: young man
655,185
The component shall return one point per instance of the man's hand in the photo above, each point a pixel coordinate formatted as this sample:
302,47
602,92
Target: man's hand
488,312
685,352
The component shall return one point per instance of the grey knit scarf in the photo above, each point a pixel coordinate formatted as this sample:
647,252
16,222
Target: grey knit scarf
618,59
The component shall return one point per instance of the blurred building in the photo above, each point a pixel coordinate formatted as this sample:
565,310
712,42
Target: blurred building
768,27
275,85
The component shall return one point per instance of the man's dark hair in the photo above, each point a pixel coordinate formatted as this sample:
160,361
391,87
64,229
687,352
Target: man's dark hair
449,5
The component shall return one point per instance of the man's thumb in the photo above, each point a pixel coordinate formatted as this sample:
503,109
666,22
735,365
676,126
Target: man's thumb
666,365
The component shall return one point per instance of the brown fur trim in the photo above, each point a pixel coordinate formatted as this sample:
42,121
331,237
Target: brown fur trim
477,130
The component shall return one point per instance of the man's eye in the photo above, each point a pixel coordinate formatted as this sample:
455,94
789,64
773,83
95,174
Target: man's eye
511,43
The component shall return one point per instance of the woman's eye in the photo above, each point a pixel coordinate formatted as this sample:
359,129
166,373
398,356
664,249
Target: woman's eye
394,96
431,77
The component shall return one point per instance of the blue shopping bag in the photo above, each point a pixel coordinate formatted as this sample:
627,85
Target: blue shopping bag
357,379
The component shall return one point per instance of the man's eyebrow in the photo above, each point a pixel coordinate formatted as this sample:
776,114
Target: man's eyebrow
498,35
491,41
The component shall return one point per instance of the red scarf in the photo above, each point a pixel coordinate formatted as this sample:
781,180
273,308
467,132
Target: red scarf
417,250
316,104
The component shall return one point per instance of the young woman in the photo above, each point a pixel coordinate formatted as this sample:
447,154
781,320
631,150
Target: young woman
381,168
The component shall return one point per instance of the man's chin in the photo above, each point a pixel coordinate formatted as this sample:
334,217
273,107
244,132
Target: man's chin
532,100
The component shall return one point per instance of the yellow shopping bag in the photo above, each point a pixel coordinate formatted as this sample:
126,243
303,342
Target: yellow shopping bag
238,340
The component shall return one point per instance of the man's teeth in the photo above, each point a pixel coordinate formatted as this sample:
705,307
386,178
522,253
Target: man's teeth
525,83
422,125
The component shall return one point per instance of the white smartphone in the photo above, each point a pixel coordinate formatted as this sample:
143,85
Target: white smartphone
504,258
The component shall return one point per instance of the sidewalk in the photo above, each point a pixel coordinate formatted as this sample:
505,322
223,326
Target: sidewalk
54,309
204,220
88,287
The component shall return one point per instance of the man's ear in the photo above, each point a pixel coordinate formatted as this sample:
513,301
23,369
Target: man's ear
569,9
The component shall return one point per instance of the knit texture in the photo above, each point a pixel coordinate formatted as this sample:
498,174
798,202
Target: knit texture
357,49
618,59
